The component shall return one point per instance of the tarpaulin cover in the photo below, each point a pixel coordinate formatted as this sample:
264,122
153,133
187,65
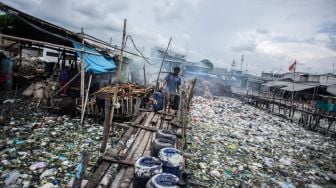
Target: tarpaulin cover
95,63
326,106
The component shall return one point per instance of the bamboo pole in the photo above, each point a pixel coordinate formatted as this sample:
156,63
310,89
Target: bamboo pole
108,124
72,79
190,94
82,74
107,111
115,94
47,44
86,99
157,79
144,73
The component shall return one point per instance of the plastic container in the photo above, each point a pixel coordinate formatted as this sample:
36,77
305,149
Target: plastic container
167,134
172,161
163,180
160,143
145,168
159,101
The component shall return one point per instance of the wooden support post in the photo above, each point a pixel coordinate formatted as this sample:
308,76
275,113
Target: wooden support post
273,103
157,79
20,54
106,125
81,169
190,94
72,79
82,73
115,94
183,116
86,99
144,73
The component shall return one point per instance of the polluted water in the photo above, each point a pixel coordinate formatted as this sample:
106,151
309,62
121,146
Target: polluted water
234,144
41,149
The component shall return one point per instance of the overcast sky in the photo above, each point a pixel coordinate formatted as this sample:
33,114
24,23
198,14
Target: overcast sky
270,33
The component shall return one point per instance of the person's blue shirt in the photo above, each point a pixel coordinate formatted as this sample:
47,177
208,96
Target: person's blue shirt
172,83
64,75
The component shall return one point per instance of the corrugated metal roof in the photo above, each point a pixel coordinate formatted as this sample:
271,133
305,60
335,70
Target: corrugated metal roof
331,89
288,86
276,83
298,87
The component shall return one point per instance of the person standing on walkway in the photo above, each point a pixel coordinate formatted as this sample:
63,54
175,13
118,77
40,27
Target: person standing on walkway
171,87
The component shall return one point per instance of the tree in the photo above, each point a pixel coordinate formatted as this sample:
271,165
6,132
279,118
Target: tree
208,64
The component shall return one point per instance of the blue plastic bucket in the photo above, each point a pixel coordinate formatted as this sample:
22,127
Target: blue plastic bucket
159,101
163,180
160,143
145,168
172,161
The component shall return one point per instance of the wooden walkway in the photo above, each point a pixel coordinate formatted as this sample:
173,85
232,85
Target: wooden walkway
115,168
135,143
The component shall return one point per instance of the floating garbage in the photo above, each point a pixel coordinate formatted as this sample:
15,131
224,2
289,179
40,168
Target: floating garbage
49,172
235,144
12,177
38,165
44,148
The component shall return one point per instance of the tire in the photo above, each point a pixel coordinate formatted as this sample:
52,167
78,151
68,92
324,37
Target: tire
166,134
145,168
172,161
160,143
163,180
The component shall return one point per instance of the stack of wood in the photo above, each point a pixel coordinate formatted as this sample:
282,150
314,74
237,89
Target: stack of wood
129,97
126,90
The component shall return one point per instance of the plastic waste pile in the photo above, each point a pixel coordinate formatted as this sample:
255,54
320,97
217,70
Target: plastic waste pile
29,66
40,90
234,144
42,150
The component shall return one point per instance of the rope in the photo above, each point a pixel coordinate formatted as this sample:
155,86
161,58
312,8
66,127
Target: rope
145,58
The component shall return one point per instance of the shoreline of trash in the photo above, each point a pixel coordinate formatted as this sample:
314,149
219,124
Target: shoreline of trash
235,144
40,148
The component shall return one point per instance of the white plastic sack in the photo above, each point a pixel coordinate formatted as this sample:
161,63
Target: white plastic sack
29,91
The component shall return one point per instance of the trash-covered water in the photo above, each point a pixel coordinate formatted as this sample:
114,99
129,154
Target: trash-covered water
235,145
40,149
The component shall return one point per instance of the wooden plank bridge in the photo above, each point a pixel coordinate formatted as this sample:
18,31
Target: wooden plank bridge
115,168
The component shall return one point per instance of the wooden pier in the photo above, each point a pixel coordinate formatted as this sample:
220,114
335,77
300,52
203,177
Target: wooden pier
115,167
307,116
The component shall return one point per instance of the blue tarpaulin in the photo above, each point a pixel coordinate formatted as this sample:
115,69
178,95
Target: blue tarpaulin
326,106
95,63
